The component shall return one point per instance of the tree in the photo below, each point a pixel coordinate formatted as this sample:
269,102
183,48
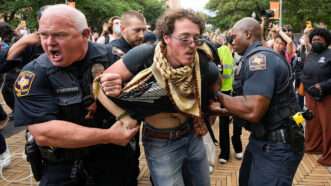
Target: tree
295,12
96,11
230,11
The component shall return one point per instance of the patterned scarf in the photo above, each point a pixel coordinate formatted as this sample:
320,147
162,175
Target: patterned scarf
183,84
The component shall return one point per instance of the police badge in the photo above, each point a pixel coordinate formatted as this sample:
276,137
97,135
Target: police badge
23,83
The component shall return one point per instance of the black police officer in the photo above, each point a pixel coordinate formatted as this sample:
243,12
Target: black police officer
52,97
266,102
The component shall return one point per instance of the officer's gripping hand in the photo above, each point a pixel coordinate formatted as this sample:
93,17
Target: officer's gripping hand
215,108
129,122
111,84
121,134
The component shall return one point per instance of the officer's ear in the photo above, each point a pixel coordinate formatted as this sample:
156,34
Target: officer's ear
249,35
86,33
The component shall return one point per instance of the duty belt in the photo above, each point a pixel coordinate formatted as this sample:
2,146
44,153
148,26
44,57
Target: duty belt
276,136
170,134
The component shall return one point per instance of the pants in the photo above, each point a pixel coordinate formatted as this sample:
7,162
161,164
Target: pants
3,145
167,158
318,130
268,164
224,136
58,174
113,165
106,165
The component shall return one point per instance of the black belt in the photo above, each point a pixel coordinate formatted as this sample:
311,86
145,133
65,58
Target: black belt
276,136
170,134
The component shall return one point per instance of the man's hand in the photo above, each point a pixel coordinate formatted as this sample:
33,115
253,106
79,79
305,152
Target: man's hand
129,122
120,134
215,108
111,84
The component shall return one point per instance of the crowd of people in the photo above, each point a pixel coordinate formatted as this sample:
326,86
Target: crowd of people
82,97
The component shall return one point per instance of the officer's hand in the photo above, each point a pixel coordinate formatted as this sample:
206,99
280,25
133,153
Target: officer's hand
129,122
215,108
111,84
121,135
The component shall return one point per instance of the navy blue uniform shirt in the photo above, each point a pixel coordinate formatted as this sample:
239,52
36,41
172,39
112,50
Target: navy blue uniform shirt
263,72
35,98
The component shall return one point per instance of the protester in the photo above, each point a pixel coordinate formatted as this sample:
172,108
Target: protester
170,81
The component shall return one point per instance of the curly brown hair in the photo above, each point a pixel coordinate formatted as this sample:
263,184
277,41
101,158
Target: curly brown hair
165,25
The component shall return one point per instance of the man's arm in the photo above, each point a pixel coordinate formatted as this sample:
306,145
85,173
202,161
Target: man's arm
130,64
111,80
18,47
250,108
58,133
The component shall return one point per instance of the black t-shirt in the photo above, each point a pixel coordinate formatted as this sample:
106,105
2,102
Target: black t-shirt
140,58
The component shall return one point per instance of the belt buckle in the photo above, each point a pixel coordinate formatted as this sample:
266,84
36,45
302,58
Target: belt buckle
174,134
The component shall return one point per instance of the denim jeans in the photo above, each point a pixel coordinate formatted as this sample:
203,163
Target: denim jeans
268,164
167,158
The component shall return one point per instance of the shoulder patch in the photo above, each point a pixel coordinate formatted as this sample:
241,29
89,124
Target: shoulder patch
23,83
117,52
257,62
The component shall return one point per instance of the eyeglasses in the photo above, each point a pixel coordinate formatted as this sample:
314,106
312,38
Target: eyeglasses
189,40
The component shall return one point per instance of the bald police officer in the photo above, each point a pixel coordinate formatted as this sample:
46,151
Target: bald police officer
266,102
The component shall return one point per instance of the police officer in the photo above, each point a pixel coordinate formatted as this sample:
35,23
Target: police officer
133,27
266,102
53,99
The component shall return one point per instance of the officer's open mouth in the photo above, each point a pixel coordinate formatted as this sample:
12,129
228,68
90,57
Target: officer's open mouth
55,55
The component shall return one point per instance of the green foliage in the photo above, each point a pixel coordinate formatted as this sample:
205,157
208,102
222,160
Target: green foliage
230,11
96,11
294,12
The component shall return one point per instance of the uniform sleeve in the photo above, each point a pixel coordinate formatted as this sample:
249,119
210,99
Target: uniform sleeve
139,57
260,76
34,102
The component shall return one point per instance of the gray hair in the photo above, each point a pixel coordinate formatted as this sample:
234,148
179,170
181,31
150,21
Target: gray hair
78,18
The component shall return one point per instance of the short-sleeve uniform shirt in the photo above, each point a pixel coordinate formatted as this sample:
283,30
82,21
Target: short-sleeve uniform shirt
35,97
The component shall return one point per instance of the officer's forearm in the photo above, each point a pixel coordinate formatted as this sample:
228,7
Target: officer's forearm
58,133
249,108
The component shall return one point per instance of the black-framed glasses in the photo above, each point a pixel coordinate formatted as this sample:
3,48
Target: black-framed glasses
185,40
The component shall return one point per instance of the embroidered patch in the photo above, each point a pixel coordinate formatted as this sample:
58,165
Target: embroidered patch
257,62
117,52
23,83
